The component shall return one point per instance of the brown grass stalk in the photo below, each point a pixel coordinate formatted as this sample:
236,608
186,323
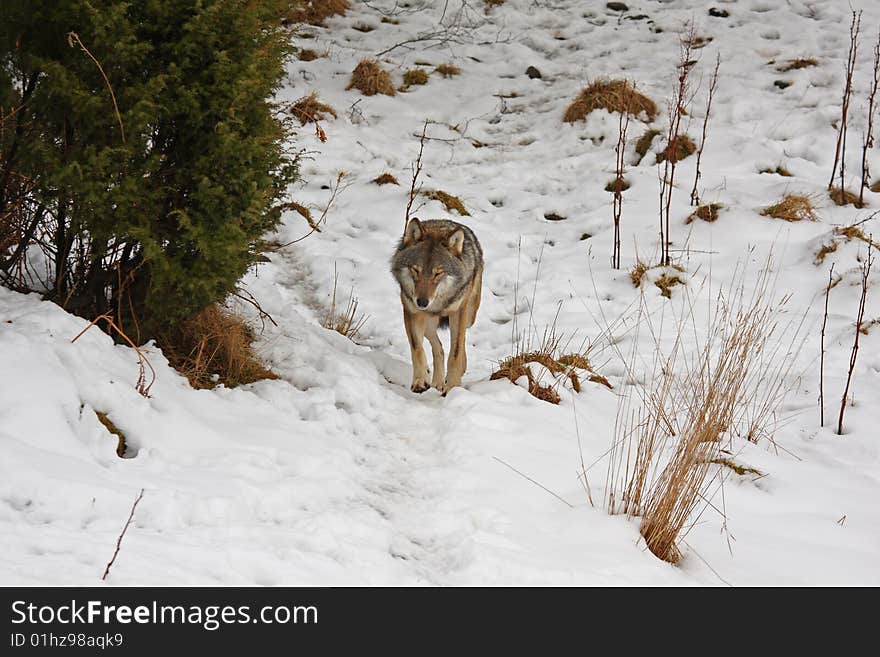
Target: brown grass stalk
141,385
122,535
822,349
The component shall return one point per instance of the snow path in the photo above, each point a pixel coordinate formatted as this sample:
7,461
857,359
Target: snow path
337,474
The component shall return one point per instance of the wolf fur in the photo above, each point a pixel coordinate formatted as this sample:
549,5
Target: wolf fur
439,267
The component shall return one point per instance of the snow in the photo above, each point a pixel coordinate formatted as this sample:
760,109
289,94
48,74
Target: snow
337,474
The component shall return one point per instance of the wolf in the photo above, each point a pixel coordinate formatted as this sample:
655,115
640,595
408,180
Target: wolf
439,267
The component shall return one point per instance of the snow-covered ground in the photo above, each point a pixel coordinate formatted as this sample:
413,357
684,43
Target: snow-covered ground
337,474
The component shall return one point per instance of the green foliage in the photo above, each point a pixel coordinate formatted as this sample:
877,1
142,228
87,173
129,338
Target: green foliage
159,222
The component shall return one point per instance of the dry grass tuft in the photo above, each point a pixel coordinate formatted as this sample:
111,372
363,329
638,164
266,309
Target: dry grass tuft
611,95
363,27
664,457
390,21
875,187
315,12
370,78
845,197
795,64
779,170
347,322
449,201
309,109
112,428
615,185
572,367
643,145
707,212
637,273
741,470
681,147
385,179
214,347
305,213
792,207
667,280
414,77
448,70
307,55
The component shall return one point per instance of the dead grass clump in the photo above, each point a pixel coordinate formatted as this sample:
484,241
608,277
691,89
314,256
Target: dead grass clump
363,27
779,170
617,185
875,187
663,456
112,428
307,55
845,197
563,367
707,212
666,282
309,109
346,322
681,147
385,179
315,12
414,77
643,145
611,95
390,21
449,201
214,347
795,64
792,207
845,234
741,470
637,273
448,70
370,78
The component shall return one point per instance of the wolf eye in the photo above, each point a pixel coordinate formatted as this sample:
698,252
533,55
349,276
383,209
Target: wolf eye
416,270
439,273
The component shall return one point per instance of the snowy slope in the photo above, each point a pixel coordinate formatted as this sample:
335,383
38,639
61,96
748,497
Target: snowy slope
338,474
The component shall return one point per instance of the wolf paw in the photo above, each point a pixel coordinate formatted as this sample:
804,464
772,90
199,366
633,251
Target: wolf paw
419,387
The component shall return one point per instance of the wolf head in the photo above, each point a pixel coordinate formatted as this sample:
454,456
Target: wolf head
428,264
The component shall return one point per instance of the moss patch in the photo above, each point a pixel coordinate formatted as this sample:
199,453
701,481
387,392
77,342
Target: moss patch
121,445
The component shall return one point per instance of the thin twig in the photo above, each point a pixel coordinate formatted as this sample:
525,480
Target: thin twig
570,506
695,196
866,272
124,529
71,36
416,170
822,352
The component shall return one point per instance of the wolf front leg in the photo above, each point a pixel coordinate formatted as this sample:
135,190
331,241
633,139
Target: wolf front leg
439,367
457,356
415,333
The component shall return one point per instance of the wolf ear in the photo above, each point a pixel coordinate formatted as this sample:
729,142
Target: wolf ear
455,242
413,232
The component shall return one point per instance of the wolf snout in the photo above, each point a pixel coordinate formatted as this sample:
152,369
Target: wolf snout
422,302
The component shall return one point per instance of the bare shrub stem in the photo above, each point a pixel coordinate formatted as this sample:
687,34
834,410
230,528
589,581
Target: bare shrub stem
840,149
695,196
416,170
617,209
822,351
122,534
869,132
73,36
860,316
141,386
